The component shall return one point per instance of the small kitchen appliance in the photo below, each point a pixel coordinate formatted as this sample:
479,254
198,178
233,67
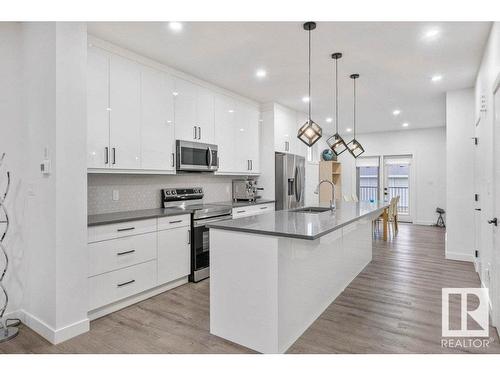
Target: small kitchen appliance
246,190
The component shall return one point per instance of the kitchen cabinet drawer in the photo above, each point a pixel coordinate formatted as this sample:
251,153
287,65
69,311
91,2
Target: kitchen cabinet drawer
114,286
252,210
111,255
171,222
174,254
129,228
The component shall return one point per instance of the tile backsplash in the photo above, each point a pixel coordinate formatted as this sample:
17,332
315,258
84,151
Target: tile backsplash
137,192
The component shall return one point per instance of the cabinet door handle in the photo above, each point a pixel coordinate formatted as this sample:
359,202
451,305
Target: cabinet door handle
195,133
114,155
173,159
106,155
125,229
125,283
189,236
199,132
240,212
251,165
175,222
263,208
126,252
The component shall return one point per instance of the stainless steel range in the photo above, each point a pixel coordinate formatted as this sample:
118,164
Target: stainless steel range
203,213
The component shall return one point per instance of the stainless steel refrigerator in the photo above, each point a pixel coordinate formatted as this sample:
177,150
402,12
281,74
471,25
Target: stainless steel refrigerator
289,180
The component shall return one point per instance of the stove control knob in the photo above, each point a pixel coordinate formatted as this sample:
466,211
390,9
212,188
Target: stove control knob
167,192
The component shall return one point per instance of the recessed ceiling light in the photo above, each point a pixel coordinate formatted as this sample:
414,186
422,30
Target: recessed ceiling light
396,112
328,119
261,73
432,33
242,130
231,111
305,99
348,130
175,26
437,78
405,124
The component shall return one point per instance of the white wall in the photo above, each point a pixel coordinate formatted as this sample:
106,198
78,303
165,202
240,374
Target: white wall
46,87
13,134
428,147
488,74
459,167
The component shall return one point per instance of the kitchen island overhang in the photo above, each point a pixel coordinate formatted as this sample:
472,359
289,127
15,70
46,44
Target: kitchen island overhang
273,275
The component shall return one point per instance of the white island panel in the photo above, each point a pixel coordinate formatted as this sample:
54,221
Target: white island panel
265,291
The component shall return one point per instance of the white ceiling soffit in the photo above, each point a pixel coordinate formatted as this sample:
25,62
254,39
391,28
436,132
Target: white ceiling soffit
395,60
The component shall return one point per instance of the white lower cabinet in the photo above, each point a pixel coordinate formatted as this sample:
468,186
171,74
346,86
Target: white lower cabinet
252,210
114,286
127,259
174,255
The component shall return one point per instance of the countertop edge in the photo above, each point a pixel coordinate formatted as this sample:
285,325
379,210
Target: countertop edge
138,217
221,226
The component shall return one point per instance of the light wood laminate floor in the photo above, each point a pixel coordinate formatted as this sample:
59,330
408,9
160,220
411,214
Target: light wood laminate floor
393,306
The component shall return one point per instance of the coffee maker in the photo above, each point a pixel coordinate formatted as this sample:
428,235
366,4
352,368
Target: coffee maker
245,190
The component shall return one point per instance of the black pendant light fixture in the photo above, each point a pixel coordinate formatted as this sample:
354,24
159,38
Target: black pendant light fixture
354,146
336,142
310,132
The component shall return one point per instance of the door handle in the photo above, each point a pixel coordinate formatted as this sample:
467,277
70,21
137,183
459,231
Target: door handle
125,283
173,159
125,229
199,132
114,155
106,155
251,164
493,221
189,236
195,133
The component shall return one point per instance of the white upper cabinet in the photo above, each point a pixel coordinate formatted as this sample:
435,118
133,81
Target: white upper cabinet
224,133
97,109
157,120
237,136
194,112
125,116
286,124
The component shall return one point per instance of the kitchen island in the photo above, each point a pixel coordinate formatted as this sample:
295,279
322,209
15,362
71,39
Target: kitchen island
272,275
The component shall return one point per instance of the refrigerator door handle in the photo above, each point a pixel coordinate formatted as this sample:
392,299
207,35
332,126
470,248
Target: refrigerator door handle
296,178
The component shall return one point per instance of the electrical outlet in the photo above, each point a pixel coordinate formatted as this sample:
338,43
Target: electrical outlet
116,195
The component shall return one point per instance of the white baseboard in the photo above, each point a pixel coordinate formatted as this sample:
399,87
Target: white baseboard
459,256
55,336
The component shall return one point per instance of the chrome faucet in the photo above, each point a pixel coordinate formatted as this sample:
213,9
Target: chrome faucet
332,201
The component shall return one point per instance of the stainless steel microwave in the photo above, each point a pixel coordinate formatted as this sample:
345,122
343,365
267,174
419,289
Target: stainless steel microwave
194,156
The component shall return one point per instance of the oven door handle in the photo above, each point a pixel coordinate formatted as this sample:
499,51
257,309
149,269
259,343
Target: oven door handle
200,223
209,157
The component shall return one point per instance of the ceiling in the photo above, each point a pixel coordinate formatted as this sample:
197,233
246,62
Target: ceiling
395,60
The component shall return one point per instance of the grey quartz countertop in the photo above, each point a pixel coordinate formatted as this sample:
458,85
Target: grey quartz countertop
120,217
308,226
245,203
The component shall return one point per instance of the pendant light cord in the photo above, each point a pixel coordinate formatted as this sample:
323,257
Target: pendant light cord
309,33
354,106
336,96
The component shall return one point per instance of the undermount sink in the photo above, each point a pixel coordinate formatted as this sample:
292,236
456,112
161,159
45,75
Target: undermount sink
312,210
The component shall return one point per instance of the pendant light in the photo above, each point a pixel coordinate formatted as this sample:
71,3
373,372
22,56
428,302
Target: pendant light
354,146
310,132
336,142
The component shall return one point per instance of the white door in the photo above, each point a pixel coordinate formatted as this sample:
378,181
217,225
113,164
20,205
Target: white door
495,282
225,112
477,202
185,95
205,115
174,254
97,108
398,181
125,116
157,120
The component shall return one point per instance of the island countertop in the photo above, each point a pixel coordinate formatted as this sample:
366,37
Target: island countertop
308,226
